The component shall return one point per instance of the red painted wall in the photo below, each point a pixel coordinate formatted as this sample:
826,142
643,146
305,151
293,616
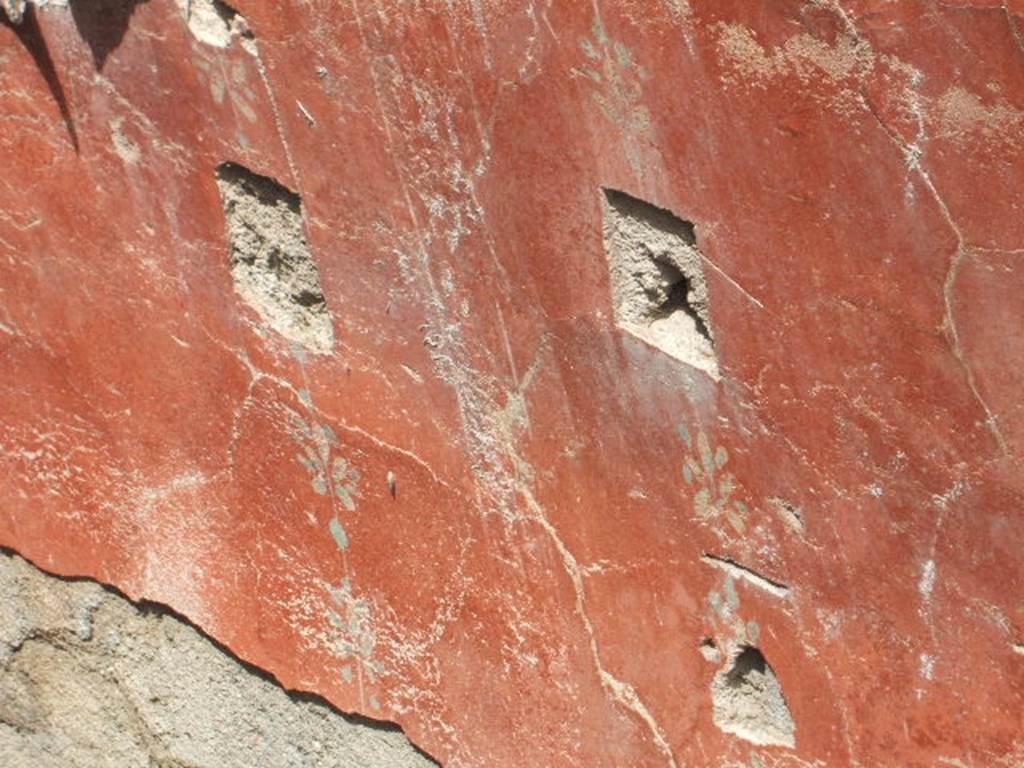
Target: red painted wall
534,591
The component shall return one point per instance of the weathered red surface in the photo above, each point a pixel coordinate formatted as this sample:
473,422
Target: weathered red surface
534,592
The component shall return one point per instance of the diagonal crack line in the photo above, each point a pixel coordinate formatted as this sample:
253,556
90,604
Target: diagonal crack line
1012,22
275,111
257,374
912,155
623,693
949,319
757,302
749,575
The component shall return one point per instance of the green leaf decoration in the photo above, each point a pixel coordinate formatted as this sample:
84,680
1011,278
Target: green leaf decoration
338,532
721,457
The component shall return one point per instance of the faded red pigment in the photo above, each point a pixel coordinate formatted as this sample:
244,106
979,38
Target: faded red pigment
490,514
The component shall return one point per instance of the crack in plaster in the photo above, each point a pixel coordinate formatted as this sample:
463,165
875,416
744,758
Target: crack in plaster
913,157
1012,23
254,49
257,374
743,573
493,480
621,692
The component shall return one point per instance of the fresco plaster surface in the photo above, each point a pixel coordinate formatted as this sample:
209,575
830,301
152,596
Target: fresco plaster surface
486,512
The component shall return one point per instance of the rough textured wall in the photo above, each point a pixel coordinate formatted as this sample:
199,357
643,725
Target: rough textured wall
89,680
612,383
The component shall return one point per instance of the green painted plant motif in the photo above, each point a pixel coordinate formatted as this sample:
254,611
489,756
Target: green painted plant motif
356,638
704,470
330,474
616,77
334,476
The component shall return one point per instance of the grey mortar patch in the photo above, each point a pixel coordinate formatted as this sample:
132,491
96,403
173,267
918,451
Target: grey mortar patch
215,22
709,650
89,679
271,262
748,702
659,292
15,10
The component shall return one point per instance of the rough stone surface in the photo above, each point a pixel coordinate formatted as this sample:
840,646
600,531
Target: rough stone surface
89,680
15,10
273,268
748,701
491,514
212,21
657,279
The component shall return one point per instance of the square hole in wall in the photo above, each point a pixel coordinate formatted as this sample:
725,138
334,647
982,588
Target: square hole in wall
657,277
271,262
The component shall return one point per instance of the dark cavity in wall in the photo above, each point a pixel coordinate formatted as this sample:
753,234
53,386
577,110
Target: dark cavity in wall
216,23
103,24
15,10
659,292
748,701
271,261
